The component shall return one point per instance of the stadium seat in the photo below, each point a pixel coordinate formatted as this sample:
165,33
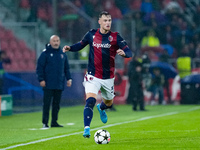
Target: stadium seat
13,44
22,57
18,55
24,4
7,67
42,14
31,65
10,54
33,55
4,45
27,54
14,66
22,44
9,35
22,65
2,33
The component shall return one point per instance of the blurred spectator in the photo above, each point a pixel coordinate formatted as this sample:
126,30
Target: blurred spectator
135,94
195,39
24,4
135,4
154,16
4,59
139,25
156,87
150,40
109,6
45,11
146,75
92,7
146,6
184,65
191,48
79,4
156,5
197,50
33,10
167,37
164,57
172,6
196,17
123,6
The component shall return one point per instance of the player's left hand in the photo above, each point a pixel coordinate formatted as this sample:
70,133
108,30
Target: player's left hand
121,52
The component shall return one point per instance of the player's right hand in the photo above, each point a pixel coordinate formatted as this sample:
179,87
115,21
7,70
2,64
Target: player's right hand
66,48
42,83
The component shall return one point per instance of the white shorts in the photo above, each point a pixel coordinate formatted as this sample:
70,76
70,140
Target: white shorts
93,85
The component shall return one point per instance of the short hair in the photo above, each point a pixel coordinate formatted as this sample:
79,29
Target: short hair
104,13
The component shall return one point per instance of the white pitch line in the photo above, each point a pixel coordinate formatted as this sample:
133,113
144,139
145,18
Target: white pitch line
111,125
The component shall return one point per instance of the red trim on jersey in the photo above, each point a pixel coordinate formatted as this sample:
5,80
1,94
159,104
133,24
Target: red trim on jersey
98,55
113,51
124,47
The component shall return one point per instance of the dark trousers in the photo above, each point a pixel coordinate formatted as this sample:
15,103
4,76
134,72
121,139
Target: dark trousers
53,96
136,96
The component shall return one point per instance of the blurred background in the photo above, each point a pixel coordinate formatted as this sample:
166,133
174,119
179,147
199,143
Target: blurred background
164,30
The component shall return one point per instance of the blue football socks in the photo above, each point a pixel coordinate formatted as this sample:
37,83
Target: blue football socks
103,106
88,110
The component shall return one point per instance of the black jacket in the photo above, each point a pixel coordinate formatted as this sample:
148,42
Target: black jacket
53,68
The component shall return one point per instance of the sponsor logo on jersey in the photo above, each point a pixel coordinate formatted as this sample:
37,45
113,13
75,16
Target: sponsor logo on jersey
101,45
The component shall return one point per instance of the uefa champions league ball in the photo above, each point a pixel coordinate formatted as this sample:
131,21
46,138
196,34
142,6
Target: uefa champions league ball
102,137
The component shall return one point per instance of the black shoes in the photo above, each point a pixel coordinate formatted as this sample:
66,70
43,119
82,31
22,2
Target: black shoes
141,109
56,125
45,126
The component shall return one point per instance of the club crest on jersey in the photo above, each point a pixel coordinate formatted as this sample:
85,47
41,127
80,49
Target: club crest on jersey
51,54
110,38
62,56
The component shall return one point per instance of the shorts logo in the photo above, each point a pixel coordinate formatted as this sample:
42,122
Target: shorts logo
91,78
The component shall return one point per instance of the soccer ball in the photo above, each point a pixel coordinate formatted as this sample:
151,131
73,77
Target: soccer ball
102,137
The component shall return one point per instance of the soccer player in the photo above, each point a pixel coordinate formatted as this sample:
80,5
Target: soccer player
104,45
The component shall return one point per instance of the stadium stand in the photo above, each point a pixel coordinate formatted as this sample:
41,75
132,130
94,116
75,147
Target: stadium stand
22,57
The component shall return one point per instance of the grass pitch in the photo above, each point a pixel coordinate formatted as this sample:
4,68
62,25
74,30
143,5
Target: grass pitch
170,127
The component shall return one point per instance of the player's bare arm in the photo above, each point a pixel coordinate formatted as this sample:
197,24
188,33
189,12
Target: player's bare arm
66,48
121,53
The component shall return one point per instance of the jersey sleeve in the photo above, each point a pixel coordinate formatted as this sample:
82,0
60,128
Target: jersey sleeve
80,45
123,45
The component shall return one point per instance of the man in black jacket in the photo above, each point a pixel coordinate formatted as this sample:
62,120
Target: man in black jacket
135,95
52,69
